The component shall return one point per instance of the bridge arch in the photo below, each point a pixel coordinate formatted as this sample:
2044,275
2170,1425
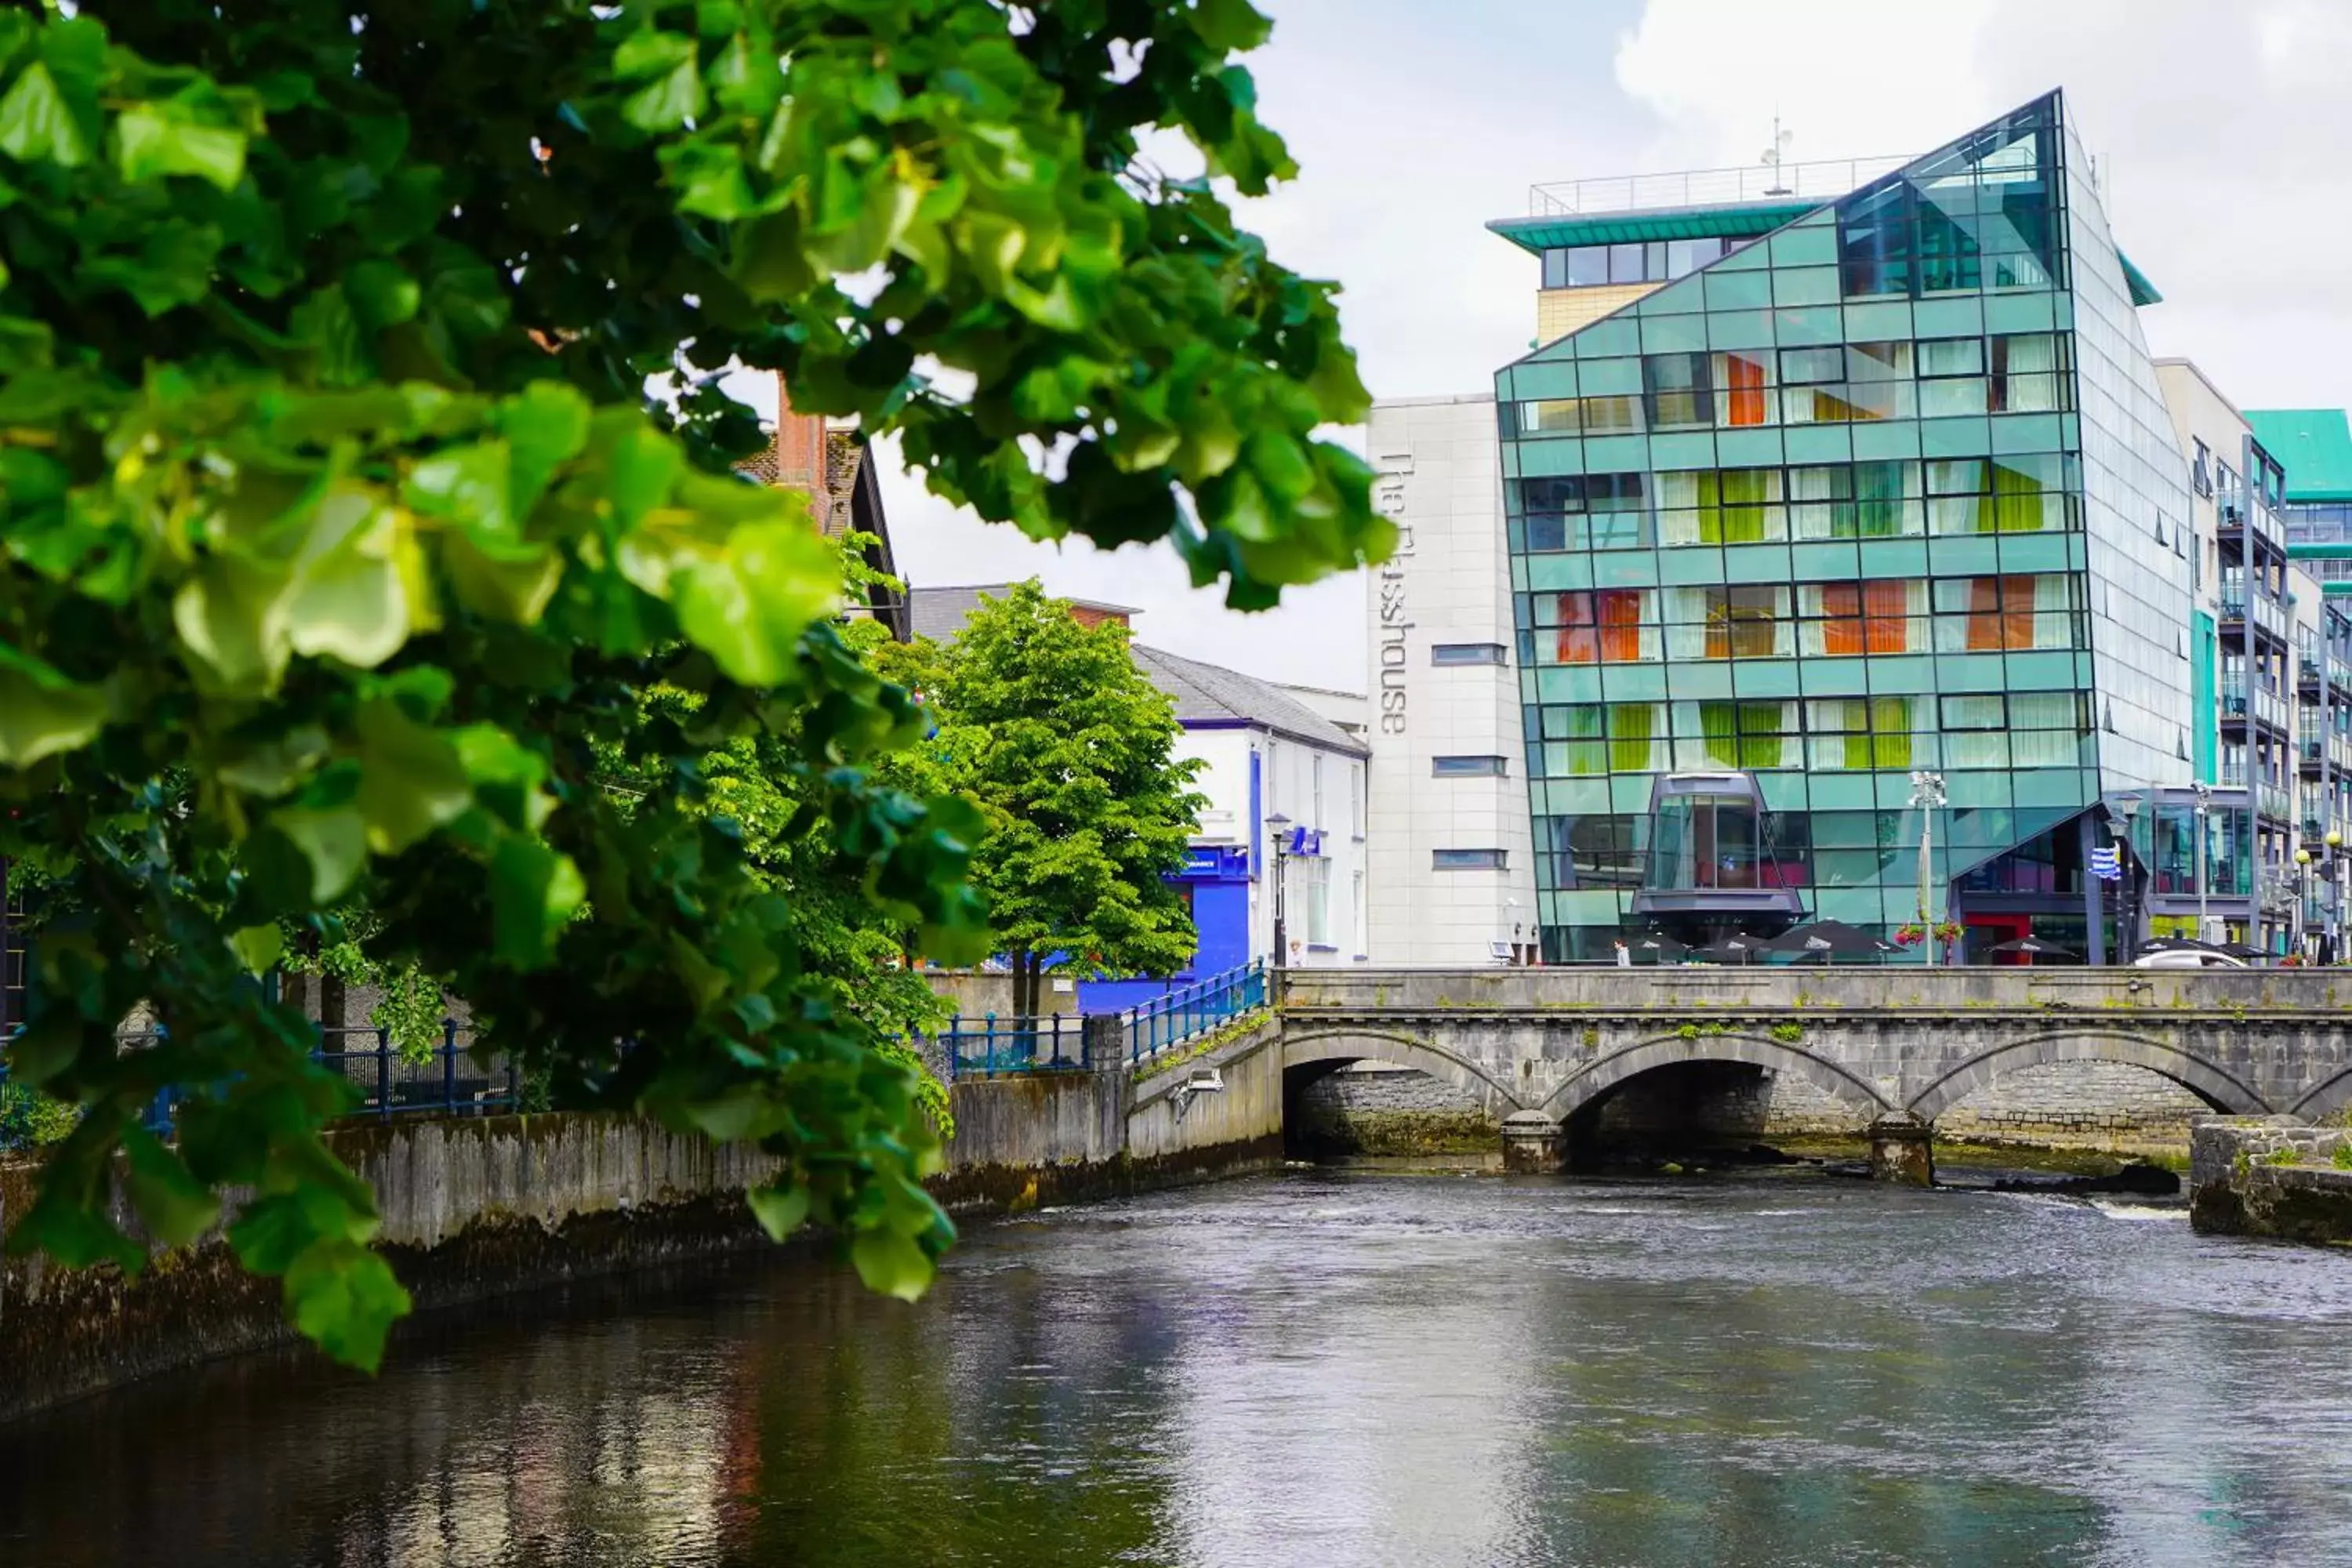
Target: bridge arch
1335,1047
1609,1071
2330,1095
2192,1072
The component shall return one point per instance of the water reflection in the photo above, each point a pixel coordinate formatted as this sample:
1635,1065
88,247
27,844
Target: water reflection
1313,1370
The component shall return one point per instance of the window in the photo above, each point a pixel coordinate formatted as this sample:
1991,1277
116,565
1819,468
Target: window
1318,901
1466,860
1626,264
1990,615
1860,733
1356,794
1875,616
1729,623
1588,265
1729,505
1457,653
1468,767
1599,626
1314,785
2029,374
1984,713
1584,511
1685,256
2026,493
1741,735
1680,390
1741,379
2200,472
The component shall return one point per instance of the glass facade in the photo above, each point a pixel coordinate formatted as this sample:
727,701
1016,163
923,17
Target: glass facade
1890,488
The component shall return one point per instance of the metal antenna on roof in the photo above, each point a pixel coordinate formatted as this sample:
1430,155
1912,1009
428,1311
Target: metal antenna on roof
1777,155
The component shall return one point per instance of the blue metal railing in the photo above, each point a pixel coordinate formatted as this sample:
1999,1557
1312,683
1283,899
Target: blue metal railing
990,1047
443,1081
1193,1010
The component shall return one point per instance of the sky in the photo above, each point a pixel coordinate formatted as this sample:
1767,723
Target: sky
2225,161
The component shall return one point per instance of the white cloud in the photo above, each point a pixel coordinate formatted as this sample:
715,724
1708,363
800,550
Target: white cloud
2225,160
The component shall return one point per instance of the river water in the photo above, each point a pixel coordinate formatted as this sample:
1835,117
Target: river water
1318,1369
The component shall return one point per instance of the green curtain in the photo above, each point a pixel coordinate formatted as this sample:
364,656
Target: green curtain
1632,726
1745,493
1890,732
1760,745
1858,753
1877,500
1718,722
2016,503
1586,751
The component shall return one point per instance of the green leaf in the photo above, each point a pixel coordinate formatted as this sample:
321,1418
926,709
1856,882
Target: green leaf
410,780
891,1264
42,713
468,485
748,607
533,891
332,839
381,294
257,947
36,124
173,1205
149,145
780,1209
669,102
545,427
345,1299
356,593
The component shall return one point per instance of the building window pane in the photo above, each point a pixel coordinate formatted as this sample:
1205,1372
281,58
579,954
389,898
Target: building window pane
1466,860
1588,265
1468,767
1555,268
1452,652
1625,264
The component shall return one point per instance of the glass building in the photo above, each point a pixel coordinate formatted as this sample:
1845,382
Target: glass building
1833,494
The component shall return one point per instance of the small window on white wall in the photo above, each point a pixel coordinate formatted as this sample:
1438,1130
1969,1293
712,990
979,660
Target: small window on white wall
1315,777
1318,901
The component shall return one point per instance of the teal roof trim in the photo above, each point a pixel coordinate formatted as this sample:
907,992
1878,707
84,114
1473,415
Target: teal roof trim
2143,292
2332,549
1538,235
2314,445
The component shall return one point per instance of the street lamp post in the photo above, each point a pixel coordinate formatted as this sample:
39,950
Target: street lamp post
1278,831
1926,798
2127,807
2332,871
2302,900
2204,819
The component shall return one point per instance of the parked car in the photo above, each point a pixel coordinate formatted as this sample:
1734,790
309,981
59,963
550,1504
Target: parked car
2186,958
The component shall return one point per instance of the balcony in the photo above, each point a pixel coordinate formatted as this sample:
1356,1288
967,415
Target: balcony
2266,706
2273,802
2240,512
2270,617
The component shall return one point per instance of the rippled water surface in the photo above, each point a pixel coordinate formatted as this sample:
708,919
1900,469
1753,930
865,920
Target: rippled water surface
1315,1369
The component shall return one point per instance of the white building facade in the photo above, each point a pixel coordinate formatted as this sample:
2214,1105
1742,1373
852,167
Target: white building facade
1451,878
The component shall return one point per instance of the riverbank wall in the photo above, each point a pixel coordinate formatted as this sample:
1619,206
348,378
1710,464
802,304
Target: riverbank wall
483,1206
2271,1176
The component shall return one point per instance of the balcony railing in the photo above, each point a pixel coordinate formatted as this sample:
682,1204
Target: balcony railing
1818,182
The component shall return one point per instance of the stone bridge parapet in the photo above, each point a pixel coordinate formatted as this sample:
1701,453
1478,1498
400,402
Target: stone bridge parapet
1897,1045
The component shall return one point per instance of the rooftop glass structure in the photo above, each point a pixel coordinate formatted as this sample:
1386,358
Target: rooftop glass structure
1886,487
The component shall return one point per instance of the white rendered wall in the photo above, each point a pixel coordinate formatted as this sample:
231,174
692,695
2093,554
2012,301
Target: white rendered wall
1287,771
1439,479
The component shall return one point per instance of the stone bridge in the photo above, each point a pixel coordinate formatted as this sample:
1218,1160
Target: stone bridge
1897,1045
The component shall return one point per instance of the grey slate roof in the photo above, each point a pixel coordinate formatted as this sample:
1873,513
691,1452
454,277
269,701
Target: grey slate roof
1209,694
939,613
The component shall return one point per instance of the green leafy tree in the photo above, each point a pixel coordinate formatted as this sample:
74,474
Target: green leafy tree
337,543
1065,746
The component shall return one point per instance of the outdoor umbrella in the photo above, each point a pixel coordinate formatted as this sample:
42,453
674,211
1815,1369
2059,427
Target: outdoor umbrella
2240,950
1730,950
1828,939
2033,947
1661,949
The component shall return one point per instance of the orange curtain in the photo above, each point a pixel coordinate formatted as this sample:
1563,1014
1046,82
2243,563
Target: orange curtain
1886,628
2017,612
1984,613
2000,613
1579,643
1621,625
1746,377
1842,628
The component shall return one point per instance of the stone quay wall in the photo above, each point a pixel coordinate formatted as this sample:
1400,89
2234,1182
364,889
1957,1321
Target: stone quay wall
480,1206
2271,1176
